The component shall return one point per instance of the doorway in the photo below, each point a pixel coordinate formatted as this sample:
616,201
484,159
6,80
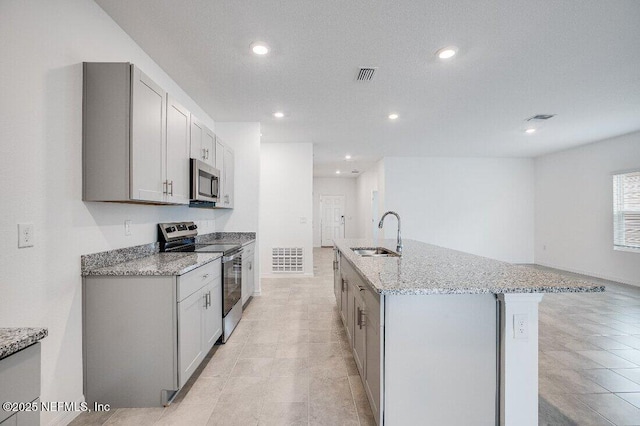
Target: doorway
332,223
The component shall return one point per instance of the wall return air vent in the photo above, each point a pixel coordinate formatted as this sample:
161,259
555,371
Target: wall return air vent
366,73
287,260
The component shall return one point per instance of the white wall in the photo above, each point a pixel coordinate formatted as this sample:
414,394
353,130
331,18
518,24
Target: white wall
368,182
286,186
574,209
244,138
482,206
335,186
44,46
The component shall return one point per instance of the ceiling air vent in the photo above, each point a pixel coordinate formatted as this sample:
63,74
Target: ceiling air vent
541,117
366,74
355,172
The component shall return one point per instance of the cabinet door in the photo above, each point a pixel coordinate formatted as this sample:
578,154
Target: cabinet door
148,139
344,305
190,335
220,166
373,366
359,330
251,277
228,177
245,278
212,313
197,135
208,147
337,280
178,143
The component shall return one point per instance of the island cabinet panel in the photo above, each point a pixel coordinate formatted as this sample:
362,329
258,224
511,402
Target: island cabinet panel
440,359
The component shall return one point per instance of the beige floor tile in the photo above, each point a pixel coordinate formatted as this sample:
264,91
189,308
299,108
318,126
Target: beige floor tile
286,367
135,416
94,418
610,360
566,382
205,390
185,415
610,380
284,414
253,387
292,350
566,410
258,350
236,410
229,350
325,350
331,367
252,367
287,389
218,367
573,360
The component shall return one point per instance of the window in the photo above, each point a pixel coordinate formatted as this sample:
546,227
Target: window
626,211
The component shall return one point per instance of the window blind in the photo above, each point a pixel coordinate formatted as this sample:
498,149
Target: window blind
626,210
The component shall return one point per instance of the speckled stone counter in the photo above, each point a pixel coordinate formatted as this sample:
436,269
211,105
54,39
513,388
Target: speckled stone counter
13,340
242,238
429,269
156,264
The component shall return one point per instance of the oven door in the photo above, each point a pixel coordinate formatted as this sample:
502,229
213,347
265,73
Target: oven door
231,281
204,181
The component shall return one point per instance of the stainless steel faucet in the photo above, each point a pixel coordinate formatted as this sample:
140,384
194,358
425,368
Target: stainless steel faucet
399,247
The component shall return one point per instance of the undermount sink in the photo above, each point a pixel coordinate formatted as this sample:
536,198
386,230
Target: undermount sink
374,252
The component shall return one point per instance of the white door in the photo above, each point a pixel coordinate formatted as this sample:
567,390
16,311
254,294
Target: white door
331,219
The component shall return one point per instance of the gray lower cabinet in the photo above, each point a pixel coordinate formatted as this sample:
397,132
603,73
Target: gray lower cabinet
144,336
360,308
20,383
248,272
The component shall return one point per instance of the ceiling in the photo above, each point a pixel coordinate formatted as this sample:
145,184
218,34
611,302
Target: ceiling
577,59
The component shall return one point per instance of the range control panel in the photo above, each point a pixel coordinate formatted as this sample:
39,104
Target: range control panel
177,230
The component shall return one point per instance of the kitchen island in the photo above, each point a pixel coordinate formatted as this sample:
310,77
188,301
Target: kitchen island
444,337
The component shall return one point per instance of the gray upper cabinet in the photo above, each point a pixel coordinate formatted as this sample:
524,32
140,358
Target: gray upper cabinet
202,142
178,143
225,162
125,143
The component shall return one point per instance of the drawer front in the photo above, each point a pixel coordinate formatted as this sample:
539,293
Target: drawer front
194,280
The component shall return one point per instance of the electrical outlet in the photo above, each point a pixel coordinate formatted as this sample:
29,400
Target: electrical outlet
127,228
520,326
26,237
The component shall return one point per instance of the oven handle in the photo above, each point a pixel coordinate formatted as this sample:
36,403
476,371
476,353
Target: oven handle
233,256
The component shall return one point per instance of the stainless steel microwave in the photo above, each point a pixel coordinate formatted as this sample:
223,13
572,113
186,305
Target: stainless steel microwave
205,182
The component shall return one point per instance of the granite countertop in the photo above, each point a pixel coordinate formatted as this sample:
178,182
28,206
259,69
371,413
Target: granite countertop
429,269
242,238
155,264
13,340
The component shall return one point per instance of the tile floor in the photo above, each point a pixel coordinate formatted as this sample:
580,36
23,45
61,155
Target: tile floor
589,359
288,363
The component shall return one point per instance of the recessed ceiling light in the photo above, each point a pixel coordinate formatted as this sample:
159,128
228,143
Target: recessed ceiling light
393,116
337,172
530,130
259,48
260,134
278,114
347,157
447,52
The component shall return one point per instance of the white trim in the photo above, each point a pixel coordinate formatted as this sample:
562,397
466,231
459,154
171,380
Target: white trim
629,249
66,417
590,273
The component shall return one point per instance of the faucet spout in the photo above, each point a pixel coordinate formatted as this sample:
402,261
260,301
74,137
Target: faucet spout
399,243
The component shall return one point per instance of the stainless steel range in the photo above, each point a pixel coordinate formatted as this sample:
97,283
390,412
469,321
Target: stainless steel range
180,237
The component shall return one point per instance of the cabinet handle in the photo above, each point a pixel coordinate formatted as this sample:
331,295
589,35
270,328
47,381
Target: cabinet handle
344,281
360,288
205,276
207,153
209,298
204,296
171,185
361,315
164,187
204,154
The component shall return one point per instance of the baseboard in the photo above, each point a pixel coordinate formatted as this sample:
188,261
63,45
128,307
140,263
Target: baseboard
591,273
66,417
305,275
